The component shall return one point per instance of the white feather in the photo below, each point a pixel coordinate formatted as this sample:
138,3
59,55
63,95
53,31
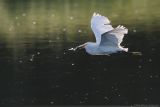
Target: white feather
100,25
108,39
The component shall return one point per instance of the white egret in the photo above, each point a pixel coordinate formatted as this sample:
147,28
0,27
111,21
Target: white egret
108,39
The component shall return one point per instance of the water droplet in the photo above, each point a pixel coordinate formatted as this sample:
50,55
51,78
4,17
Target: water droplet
134,30
85,98
79,31
18,24
57,86
153,49
145,99
16,18
73,64
57,57
136,11
51,102
21,82
105,69
38,53
116,89
31,59
66,95
20,61
150,60
93,78
58,38
71,18
156,76
11,28
139,66
75,5
22,99
32,101
52,15
106,98
34,22
24,14
64,29
86,94
50,41
81,102
115,15
97,91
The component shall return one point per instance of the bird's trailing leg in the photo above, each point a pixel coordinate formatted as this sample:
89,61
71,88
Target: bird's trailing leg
78,47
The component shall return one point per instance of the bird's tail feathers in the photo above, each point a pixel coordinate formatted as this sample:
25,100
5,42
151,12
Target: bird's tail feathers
125,49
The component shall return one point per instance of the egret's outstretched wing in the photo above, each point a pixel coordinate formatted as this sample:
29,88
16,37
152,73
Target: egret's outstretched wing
114,37
100,25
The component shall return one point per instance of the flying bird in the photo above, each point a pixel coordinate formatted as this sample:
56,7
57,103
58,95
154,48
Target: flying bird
108,39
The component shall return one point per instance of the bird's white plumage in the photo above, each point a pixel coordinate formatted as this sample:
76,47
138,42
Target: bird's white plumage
118,34
100,24
108,39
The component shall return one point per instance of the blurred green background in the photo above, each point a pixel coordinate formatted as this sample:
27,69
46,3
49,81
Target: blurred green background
47,16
